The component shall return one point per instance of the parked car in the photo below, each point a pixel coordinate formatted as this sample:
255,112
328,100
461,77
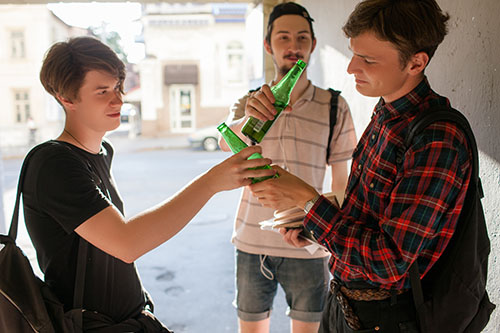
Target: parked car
206,137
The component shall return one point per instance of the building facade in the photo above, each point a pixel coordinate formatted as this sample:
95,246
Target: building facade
28,114
195,65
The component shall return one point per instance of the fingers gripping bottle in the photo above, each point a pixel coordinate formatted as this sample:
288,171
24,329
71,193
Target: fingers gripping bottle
255,129
236,145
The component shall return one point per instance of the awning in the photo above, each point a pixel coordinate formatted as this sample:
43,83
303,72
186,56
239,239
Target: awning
181,74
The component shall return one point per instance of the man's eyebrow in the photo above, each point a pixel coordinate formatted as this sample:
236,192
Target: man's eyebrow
361,55
287,32
103,86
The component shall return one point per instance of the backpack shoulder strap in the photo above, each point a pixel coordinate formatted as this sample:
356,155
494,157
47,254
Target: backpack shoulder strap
443,113
83,244
417,126
334,101
15,215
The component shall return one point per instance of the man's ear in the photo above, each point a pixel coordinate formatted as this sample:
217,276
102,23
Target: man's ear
268,48
313,45
417,63
67,103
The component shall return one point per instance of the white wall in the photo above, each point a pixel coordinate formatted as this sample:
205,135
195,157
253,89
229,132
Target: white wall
465,68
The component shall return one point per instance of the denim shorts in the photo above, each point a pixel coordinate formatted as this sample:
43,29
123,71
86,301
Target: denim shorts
304,281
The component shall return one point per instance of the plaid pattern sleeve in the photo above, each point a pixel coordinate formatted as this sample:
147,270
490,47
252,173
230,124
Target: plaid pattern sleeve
393,213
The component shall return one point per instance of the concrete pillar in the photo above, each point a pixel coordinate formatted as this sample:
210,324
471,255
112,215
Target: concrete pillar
267,7
3,225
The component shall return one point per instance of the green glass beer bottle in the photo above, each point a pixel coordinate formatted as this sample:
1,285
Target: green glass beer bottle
236,145
255,129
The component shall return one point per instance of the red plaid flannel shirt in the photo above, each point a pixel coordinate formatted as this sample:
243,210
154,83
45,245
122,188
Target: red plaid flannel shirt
393,213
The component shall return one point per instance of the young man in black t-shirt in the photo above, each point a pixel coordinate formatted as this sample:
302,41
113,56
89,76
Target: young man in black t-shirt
69,192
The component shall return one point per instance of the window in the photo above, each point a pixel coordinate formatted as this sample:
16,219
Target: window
22,106
235,62
18,49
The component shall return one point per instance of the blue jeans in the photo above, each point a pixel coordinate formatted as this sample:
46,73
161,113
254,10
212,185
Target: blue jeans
305,282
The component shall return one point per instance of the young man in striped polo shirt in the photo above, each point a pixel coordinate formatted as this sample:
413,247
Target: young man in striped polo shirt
298,142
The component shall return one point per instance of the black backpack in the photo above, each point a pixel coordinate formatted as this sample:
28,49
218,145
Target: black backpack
26,302
452,297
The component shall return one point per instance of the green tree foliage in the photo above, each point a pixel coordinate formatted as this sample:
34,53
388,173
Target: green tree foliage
110,38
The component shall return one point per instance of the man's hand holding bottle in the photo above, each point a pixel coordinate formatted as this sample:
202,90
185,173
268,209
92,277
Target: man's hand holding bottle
238,170
270,102
260,104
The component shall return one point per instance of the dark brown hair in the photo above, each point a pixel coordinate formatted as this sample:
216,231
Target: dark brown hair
287,8
66,64
412,26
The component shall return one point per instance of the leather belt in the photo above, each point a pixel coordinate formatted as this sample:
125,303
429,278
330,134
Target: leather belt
343,293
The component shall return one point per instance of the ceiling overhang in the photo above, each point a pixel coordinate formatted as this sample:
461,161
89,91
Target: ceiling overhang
19,2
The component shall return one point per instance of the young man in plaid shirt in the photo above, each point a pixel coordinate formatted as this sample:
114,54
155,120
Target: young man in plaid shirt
395,212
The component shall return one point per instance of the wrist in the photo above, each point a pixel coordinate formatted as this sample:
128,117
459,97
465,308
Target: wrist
209,182
309,193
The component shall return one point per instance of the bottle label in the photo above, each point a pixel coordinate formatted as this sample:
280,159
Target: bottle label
258,126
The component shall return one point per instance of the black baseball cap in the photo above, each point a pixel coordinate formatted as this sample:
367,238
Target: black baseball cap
289,8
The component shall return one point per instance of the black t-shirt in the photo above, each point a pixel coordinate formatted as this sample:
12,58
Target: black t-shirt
64,187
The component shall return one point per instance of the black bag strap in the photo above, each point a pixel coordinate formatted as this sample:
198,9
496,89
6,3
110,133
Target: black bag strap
15,216
422,121
444,113
81,264
334,101
416,289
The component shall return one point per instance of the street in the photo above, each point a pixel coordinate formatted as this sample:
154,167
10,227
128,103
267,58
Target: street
191,277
